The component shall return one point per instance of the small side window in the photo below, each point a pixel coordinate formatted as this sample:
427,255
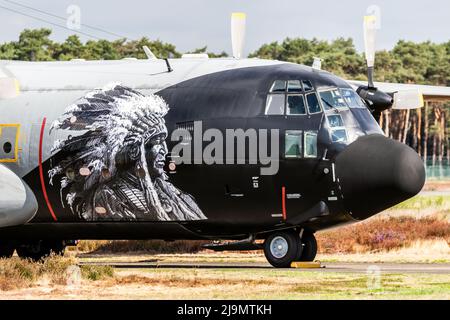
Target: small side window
293,144
335,121
310,144
295,105
275,104
338,132
339,135
313,103
278,86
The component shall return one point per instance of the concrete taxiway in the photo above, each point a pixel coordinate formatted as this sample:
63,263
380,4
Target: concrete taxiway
396,268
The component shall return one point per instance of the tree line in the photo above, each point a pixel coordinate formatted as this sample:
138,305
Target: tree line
426,130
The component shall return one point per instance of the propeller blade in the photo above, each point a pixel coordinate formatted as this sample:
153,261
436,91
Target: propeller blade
369,45
408,99
150,55
9,88
238,33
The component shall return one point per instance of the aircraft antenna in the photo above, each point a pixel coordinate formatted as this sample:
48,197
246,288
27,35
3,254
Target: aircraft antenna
169,68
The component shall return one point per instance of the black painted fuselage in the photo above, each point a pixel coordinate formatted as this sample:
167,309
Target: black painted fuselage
332,178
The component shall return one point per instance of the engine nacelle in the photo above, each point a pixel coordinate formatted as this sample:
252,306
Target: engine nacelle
377,100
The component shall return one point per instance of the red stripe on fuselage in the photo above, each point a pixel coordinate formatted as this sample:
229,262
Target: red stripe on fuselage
41,171
283,201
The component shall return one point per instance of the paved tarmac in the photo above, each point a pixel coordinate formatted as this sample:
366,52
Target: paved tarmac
397,268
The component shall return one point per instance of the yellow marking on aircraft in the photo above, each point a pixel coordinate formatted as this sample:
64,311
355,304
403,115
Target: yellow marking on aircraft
16,142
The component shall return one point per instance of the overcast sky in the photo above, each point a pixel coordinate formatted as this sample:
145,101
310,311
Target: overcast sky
192,24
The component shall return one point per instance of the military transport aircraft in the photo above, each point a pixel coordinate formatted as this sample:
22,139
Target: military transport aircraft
93,150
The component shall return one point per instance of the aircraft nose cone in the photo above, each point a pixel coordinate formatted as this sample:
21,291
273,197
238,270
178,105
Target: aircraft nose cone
376,173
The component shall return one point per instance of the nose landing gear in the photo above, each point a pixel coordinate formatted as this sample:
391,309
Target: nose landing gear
281,248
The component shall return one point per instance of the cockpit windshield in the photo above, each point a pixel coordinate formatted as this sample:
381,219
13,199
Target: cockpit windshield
332,99
352,98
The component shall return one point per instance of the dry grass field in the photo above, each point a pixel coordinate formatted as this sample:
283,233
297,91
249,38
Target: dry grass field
415,231
99,282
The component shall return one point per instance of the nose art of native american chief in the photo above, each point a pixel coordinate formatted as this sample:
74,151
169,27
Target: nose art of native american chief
113,168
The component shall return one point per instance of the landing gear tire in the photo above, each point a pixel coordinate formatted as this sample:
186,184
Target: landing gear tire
6,250
309,245
33,251
282,248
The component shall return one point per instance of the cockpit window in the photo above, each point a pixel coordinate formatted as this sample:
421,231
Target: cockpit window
286,97
332,99
307,85
275,104
352,98
295,105
278,86
294,86
313,103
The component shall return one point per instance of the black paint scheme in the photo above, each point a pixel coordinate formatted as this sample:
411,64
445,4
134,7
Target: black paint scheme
335,188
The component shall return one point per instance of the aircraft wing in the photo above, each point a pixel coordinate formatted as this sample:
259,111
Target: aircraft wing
9,86
430,93
18,204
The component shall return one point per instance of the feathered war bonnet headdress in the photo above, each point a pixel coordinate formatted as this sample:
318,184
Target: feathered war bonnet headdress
110,120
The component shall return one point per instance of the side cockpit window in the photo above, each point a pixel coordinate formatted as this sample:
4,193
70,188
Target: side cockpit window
293,144
275,104
276,99
292,98
299,144
310,144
